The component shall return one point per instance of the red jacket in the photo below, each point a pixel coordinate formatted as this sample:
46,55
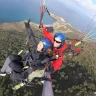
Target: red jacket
58,62
77,50
73,42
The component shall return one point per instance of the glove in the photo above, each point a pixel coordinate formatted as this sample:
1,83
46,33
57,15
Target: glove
47,76
27,25
49,69
41,25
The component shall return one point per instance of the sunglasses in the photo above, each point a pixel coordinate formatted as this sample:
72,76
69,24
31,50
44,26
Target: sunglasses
57,41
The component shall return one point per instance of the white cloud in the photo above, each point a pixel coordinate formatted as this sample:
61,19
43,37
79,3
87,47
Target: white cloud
88,6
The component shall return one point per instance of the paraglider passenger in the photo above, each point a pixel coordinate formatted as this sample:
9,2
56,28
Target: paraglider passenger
59,46
14,62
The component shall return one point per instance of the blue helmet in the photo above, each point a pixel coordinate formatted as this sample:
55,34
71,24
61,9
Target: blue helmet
47,43
61,36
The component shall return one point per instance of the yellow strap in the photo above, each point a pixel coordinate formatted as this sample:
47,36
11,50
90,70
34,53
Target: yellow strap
78,43
26,67
20,52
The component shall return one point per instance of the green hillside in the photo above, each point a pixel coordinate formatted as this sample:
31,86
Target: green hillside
75,78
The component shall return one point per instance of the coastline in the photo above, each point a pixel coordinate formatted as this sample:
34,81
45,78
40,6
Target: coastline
60,24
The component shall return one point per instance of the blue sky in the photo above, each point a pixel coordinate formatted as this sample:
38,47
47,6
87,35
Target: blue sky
94,1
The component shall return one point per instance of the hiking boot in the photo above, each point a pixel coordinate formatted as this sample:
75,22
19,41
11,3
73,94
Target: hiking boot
2,73
9,73
18,86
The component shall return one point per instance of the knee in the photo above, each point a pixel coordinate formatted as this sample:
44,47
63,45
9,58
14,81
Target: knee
14,57
11,57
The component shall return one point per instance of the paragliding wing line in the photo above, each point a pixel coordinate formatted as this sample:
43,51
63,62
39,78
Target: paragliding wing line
43,8
80,36
89,33
47,11
89,37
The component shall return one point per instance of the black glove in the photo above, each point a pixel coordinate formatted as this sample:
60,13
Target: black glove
49,69
39,26
27,25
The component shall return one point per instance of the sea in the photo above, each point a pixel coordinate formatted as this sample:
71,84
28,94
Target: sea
20,10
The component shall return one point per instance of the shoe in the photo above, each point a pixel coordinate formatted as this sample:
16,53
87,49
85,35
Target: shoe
16,87
42,81
9,73
2,73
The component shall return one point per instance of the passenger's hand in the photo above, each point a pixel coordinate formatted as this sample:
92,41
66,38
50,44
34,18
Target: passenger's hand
27,24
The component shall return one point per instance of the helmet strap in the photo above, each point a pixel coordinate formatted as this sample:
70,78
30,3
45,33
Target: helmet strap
43,49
